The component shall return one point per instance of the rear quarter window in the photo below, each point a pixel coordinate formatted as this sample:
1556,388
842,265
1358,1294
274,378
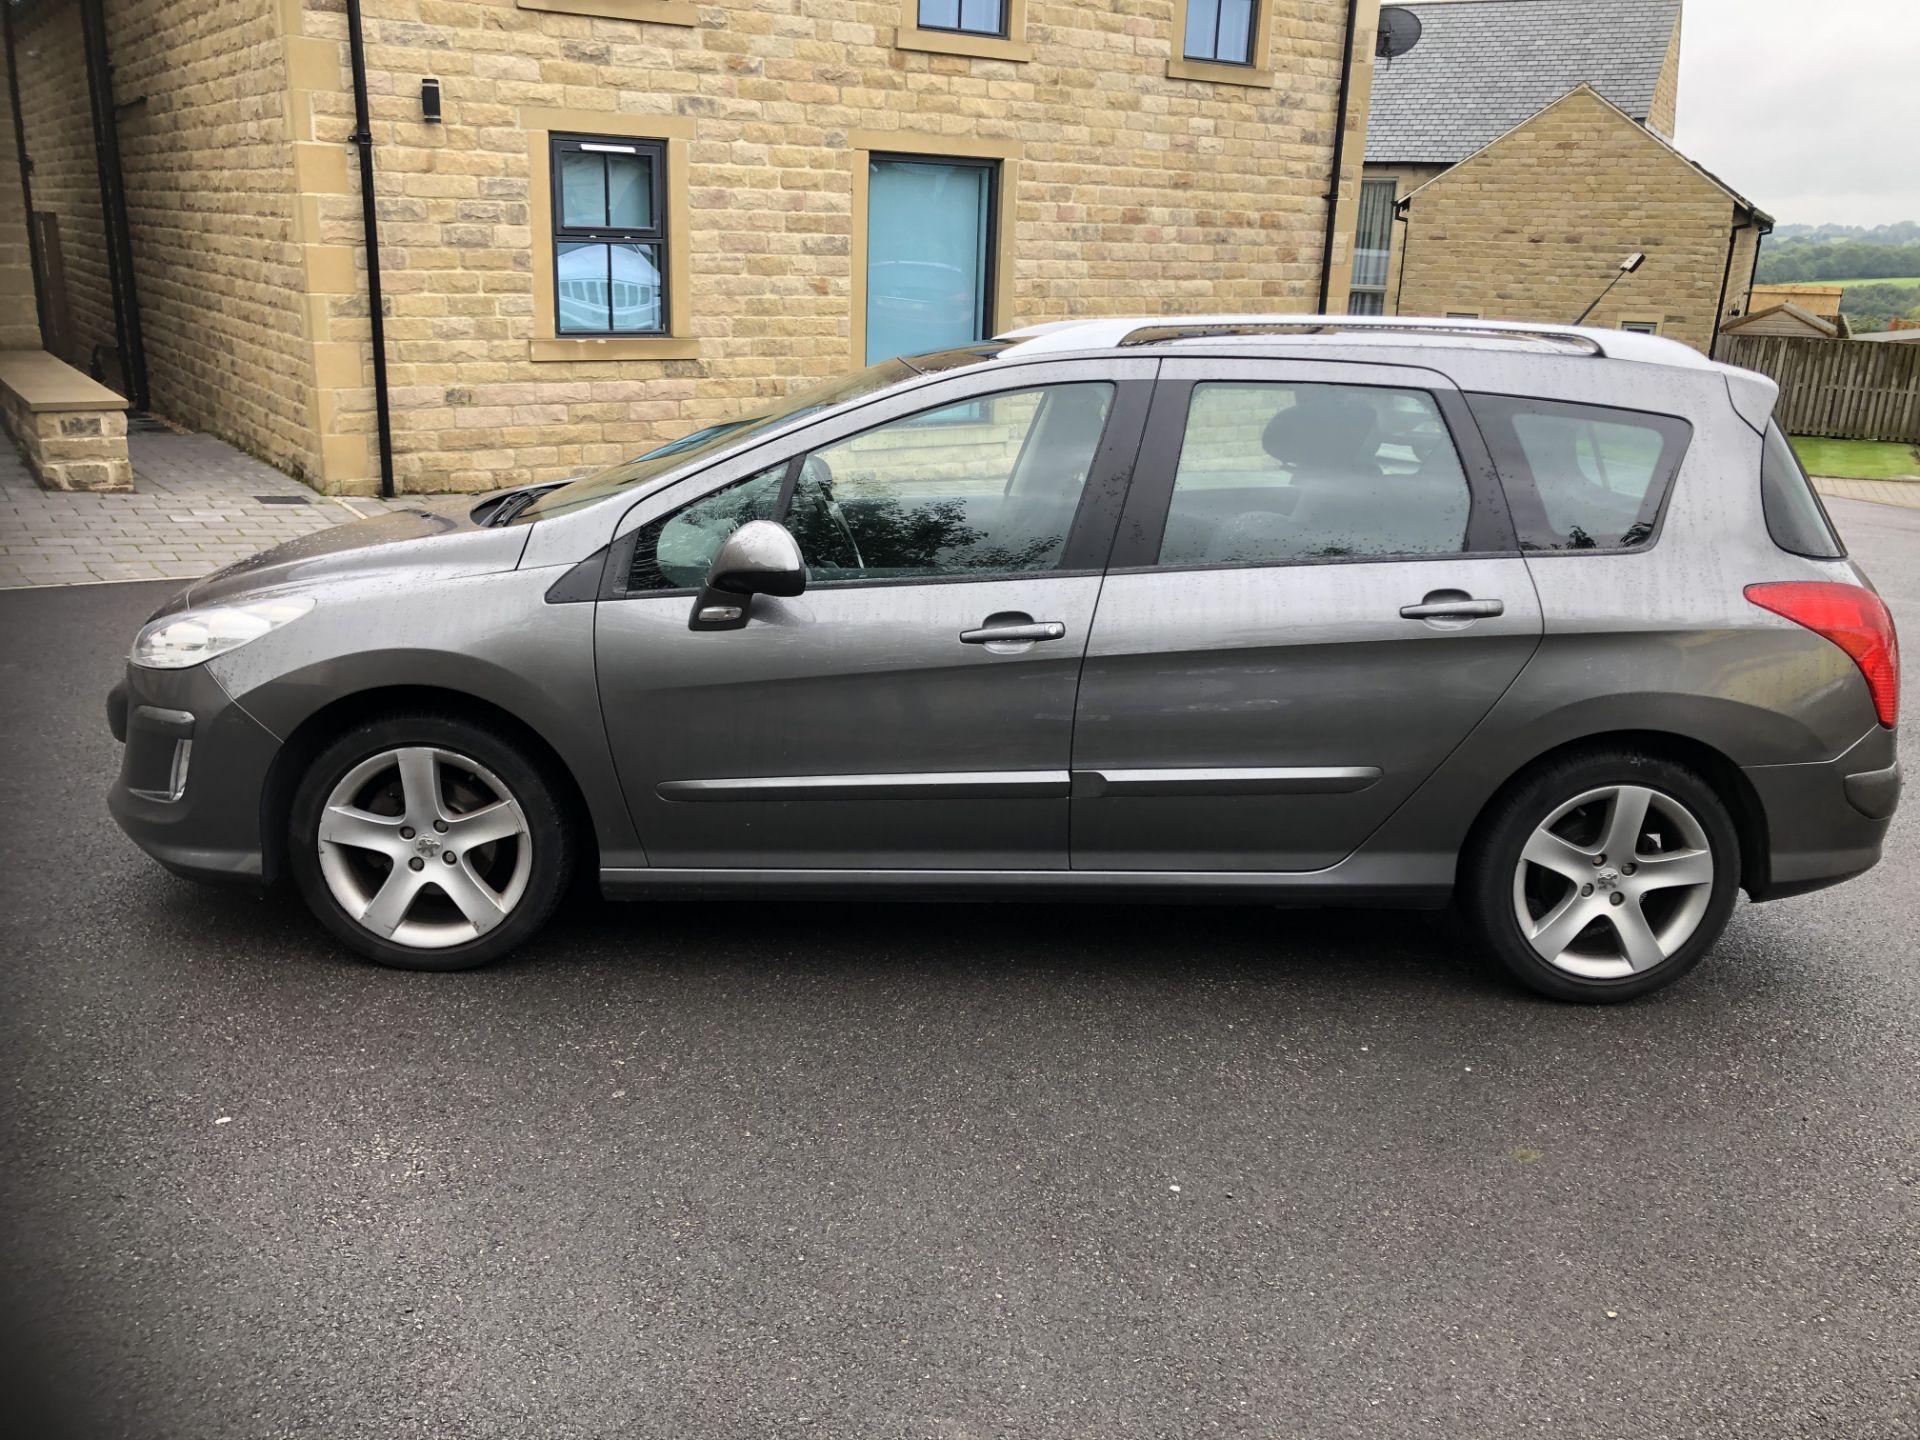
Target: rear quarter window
1796,519
1581,477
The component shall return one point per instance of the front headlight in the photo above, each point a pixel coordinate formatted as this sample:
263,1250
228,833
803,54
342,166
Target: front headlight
173,642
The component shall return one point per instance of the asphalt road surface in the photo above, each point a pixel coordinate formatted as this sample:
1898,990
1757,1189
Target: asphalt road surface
945,1171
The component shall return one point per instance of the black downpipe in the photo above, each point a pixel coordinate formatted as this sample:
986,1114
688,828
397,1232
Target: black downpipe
1402,212
1726,275
1339,155
370,225
26,166
128,339
1754,274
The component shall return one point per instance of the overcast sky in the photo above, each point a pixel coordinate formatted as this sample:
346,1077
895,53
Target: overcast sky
1809,108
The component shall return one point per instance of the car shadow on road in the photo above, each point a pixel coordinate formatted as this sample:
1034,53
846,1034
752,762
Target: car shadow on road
1385,951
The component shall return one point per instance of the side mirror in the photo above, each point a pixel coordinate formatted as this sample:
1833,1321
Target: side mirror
760,558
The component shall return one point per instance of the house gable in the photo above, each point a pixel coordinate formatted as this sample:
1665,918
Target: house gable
1533,226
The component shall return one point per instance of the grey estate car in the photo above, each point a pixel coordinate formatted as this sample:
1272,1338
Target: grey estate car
1274,609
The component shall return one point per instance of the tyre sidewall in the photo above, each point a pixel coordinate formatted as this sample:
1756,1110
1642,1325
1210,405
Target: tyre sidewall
547,829
1518,814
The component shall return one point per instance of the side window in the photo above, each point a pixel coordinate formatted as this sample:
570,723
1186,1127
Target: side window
1273,473
674,551
986,487
1581,477
1796,520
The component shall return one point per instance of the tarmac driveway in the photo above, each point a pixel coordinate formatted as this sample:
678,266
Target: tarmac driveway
860,1170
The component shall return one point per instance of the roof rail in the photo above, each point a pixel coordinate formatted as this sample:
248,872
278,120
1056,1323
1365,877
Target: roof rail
1564,337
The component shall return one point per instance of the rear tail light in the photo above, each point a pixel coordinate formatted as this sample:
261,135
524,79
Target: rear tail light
1852,617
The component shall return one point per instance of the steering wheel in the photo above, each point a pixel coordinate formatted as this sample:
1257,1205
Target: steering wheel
814,473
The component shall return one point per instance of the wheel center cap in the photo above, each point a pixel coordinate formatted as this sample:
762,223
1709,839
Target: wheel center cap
427,846
1607,879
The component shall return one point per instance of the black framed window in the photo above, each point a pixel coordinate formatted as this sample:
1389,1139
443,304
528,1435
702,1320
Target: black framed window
1581,477
609,236
966,17
1220,31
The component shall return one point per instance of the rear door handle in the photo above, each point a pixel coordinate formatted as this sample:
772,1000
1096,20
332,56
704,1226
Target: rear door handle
1014,634
1464,608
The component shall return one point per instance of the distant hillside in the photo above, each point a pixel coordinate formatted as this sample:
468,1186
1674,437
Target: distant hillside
1906,232
1857,256
1840,252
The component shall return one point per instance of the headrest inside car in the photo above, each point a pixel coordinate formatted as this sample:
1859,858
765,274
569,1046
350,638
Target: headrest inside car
1321,429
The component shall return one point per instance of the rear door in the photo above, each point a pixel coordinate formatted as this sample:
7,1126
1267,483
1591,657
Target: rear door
1314,595
913,708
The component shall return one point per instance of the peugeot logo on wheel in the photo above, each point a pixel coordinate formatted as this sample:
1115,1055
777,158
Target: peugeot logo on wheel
427,845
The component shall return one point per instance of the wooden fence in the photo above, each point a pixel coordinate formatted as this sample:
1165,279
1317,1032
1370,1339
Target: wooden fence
1846,389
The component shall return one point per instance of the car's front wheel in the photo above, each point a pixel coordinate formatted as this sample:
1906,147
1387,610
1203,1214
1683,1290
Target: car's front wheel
429,843
1603,876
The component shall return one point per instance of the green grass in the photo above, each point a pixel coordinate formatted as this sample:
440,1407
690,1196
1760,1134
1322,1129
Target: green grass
1858,459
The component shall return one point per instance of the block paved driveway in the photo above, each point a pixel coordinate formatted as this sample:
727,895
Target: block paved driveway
198,504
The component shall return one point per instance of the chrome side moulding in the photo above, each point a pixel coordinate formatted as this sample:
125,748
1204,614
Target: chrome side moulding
961,785
1276,780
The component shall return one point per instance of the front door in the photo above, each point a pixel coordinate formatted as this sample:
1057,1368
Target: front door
1315,595
913,709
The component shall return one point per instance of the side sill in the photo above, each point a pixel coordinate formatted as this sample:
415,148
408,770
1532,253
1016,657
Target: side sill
1422,883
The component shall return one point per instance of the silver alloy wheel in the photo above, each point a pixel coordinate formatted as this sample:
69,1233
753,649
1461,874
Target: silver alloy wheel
1613,882
425,847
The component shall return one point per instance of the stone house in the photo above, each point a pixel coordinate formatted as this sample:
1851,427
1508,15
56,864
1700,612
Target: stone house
1522,151
599,224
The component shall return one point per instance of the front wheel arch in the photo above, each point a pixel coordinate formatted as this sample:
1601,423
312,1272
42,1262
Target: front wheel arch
337,717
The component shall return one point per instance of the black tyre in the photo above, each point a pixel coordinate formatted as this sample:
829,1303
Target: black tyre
427,842
1602,876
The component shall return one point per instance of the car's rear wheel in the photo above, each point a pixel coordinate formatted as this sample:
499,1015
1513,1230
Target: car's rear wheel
1603,876
429,843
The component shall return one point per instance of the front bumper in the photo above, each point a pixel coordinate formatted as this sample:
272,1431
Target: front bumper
1826,821
192,774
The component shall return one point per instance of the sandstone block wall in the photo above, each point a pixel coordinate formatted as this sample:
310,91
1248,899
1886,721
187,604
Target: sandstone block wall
1127,190
58,122
1533,227
211,205
19,319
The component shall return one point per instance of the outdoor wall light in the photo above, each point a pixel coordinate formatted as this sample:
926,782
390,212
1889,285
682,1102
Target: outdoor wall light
430,101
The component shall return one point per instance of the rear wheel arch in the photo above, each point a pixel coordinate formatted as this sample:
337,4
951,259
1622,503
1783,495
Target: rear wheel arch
335,718
1728,781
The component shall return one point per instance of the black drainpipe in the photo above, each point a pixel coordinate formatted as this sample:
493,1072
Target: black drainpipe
363,139
26,169
1403,213
1339,154
1726,275
128,339
1754,273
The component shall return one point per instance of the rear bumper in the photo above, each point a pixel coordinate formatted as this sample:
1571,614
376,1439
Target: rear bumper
191,776
1826,821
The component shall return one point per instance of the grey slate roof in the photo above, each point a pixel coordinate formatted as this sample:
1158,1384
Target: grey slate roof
1483,66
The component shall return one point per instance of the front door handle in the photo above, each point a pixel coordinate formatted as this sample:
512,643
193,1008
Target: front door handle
1014,634
1452,605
